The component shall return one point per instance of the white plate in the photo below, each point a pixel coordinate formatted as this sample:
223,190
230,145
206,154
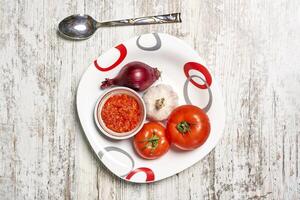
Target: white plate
178,63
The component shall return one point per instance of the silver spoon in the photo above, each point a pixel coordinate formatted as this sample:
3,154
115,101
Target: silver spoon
80,27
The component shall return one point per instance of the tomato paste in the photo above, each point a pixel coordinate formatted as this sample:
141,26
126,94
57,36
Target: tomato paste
121,113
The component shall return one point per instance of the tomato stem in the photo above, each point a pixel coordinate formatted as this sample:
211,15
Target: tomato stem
152,142
183,127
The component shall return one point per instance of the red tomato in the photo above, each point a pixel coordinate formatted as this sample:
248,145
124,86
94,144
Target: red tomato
151,141
188,127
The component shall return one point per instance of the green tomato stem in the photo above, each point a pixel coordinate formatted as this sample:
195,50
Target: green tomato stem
183,127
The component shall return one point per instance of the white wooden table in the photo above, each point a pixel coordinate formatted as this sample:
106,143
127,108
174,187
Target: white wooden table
252,48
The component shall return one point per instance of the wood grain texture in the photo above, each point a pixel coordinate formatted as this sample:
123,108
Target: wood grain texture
251,47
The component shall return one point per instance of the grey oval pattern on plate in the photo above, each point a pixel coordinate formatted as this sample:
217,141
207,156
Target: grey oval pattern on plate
112,148
153,48
186,95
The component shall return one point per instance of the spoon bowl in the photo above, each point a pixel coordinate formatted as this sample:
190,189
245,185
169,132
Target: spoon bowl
77,27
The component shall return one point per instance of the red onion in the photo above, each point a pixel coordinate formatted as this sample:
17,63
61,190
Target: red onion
135,75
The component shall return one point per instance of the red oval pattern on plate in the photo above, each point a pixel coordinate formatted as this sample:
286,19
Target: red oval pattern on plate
149,173
123,52
197,66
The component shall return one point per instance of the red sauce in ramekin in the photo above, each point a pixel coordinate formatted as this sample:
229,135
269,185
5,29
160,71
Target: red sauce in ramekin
121,113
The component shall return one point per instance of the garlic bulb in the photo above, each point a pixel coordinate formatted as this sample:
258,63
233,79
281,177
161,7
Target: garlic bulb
160,100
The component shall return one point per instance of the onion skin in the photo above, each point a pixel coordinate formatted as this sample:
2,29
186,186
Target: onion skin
135,75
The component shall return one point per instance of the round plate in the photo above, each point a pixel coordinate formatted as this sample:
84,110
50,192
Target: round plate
183,69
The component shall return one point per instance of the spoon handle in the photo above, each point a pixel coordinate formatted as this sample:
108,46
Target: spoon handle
158,19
